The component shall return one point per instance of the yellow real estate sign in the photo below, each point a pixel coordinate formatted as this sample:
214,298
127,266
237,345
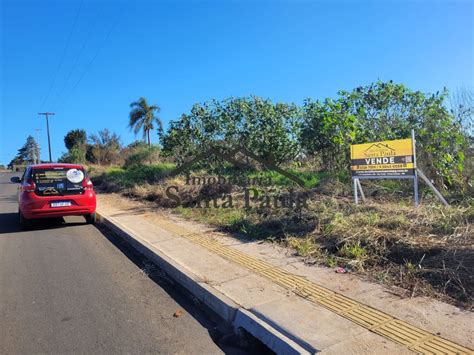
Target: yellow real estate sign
383,159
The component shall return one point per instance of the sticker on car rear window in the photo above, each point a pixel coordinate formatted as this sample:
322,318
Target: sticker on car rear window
75,175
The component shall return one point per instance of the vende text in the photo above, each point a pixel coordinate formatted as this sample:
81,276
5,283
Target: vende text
390,160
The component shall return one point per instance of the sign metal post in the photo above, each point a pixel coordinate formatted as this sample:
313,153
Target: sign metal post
360,189
356,196
415,177
395,159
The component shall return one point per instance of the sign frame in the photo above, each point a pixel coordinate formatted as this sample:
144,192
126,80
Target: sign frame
358,187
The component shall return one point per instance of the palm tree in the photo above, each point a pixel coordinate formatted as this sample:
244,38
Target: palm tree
142,117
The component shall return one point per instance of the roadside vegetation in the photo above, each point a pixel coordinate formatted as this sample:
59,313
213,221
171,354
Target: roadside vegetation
425,251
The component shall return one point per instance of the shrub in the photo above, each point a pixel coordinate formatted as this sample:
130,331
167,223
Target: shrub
142,155
386,111
138,174
269,130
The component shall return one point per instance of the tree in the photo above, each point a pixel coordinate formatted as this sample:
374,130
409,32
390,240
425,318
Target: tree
325,129
142,117
32,151
74,138
139,153
328,130
29,153
462,107
16,161
76,143
105,147
75,155
385,111
269,130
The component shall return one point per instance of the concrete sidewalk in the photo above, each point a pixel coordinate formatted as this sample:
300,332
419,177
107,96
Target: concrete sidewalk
290,307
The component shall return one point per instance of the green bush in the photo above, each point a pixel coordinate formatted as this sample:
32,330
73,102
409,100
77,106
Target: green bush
283,133
139,174
75,155
142,156
311,178
386,111
268,129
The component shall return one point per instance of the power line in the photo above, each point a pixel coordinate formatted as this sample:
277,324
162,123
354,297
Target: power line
62,102
66,47
76,60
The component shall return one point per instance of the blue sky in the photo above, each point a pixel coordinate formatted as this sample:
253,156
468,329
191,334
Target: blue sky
87,60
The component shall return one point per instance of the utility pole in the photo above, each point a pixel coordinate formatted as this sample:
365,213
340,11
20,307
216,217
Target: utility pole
47,128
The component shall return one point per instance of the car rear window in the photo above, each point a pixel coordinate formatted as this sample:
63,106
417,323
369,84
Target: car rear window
58,181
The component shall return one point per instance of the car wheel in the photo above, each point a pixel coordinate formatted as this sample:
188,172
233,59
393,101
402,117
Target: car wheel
24,223
91,218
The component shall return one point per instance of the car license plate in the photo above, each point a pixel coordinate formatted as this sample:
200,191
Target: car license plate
61,204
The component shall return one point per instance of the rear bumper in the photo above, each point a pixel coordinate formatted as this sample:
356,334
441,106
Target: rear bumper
40,207
58,212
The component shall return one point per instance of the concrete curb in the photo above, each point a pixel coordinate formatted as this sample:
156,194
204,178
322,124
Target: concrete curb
222,305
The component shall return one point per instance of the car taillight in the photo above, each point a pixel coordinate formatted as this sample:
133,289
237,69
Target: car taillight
87,184
29,186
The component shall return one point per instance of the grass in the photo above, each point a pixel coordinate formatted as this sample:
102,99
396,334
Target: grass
137,174
218,217
427,251
311,179
305,247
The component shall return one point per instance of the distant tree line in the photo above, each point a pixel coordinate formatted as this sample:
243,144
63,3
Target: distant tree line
319,130
102,148
324,129
105,147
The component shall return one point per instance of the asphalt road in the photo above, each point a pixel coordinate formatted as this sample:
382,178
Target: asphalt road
65,287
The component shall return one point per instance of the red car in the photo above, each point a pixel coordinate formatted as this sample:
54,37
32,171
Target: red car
55,190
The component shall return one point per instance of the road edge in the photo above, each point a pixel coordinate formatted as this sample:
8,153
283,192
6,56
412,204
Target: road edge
223,306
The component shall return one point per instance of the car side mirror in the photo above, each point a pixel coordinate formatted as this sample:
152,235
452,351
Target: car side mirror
15,179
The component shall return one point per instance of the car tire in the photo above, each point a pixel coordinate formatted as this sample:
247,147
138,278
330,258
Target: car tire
91,218
24,222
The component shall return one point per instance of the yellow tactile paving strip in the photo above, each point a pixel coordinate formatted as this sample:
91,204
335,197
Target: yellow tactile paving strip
369,318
